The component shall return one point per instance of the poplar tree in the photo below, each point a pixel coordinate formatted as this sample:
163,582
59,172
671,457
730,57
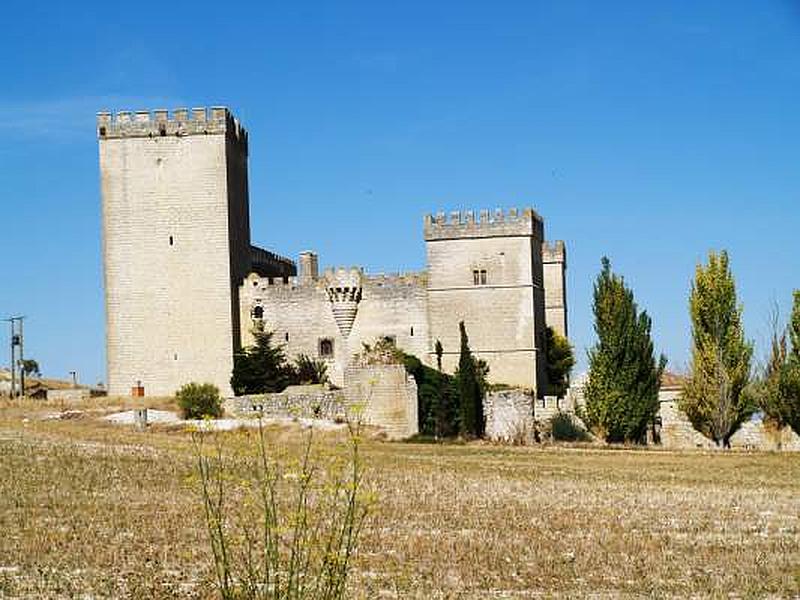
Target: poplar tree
714,396
779,390
794,329
470,387
624,375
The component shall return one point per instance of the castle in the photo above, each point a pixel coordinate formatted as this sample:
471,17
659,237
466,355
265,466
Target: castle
184,287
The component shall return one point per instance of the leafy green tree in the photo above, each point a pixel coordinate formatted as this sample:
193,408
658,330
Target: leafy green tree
30,367
471,389
714,395
560,360
624,375
779,389
260,368
794,329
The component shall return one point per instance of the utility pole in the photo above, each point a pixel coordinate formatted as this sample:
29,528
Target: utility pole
21,360
13,389
74,375
16,340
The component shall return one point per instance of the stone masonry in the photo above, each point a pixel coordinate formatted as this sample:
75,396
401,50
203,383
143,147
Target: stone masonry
184,287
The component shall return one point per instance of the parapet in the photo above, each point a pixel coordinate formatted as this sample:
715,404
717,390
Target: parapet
161,123
464,225
412,279
269,264
554,252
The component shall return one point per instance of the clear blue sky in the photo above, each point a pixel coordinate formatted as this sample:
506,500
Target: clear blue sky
648,132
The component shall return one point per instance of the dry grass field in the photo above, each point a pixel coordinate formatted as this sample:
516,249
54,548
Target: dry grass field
89,509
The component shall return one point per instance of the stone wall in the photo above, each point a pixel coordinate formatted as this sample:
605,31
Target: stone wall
388,396
383,396
300,313
69,395
755,434
676,429
309,402
509,416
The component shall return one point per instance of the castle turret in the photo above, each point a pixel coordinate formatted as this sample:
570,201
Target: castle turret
176,245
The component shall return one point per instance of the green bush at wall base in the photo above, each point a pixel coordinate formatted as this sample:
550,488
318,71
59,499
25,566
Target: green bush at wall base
198,400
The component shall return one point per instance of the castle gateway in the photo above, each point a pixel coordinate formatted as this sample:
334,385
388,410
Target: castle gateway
184,287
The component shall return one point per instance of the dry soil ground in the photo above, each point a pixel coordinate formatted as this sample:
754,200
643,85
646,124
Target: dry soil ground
91,509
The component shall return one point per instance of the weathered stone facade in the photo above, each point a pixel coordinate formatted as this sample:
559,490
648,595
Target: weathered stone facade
509,416
184,287
382,395
488,273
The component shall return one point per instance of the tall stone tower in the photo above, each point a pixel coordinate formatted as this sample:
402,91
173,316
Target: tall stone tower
488,273
176,245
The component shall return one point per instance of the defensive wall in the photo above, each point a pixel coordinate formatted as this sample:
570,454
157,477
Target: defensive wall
383,396
329,318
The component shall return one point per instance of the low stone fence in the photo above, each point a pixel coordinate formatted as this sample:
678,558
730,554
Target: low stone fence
300,401
69,395
759,435
384,396
756,434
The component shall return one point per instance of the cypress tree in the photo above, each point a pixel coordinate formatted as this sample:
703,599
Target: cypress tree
560,360
260,368
472,423
714,396
624,375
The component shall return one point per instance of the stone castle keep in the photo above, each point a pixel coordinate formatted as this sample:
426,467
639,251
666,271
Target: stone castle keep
184,287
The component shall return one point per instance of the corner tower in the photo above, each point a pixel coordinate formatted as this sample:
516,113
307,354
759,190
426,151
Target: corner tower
176,245
554,257
488,273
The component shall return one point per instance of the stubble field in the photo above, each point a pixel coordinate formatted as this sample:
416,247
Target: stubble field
89,509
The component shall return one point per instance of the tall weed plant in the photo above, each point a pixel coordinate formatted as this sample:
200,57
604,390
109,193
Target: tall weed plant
282,526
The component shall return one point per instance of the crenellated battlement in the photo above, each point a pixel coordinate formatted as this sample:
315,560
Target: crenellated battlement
554,252
163,123
497,223
415,279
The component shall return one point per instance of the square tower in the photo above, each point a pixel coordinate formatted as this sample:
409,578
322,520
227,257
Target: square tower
488,273
176,246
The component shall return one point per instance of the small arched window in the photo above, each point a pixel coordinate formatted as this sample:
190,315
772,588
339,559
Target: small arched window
326,348
257,313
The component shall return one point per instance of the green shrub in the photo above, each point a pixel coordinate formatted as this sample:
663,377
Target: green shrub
564,428
198,400
308,371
